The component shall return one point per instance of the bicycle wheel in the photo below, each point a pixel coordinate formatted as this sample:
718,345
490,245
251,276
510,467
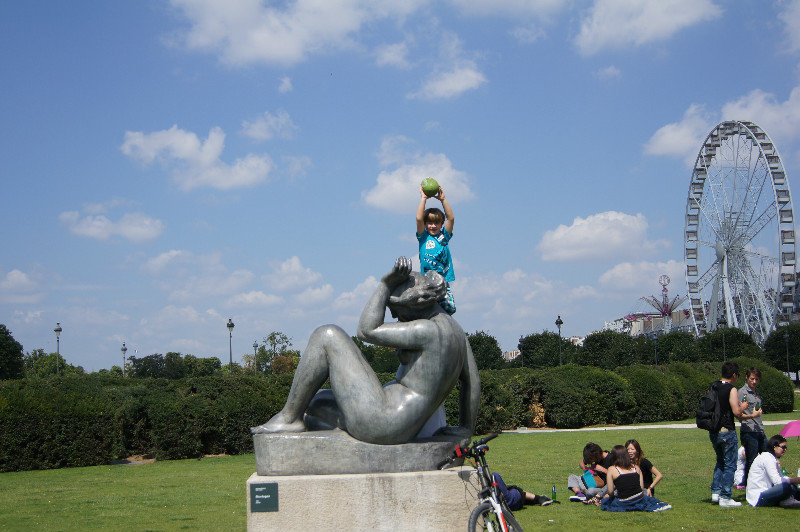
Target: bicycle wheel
483,519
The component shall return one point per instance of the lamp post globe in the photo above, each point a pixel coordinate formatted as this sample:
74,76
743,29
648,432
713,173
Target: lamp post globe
230,344
58,330
255,354
559,323
124,350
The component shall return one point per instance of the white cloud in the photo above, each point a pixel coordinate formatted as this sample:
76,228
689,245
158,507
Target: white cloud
599,236
255,298
397,189
19,287
314,296
528,34
296,166
682,139
450,83
609,72
197,163
159,263
283,33
395,55
620,23
781,120
512,8
286,85
642,277
291,275
355,300
790,16
190,277
136,226
268,126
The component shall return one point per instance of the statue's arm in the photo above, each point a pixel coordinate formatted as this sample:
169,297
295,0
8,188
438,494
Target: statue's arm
470,392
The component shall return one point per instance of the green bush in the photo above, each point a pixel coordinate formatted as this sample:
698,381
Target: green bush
659,395
578,396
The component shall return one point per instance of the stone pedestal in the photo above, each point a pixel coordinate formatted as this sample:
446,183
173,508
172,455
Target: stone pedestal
408,501
327,452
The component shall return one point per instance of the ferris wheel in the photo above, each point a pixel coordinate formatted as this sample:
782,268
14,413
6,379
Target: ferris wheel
739,239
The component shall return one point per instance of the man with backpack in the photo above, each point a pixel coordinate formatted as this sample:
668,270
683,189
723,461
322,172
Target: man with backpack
723,437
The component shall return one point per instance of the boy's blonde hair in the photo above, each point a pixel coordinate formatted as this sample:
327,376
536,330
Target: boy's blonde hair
434,215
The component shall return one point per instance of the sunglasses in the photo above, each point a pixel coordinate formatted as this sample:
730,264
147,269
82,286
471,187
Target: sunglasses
782,447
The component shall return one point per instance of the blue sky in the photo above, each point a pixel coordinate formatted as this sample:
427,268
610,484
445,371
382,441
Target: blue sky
167,165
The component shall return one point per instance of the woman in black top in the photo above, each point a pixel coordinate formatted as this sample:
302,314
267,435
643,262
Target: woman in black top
626,478
650,475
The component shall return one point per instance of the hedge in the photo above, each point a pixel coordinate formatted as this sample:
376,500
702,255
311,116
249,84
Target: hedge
91,420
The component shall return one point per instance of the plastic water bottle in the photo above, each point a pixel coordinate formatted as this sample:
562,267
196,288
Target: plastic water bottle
554,492
783,471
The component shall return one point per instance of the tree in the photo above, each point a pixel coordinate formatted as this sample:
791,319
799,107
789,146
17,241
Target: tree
781,353
609,349
11,364
540,350
274,344
174,366
677,347
149,366
287,362
726,343
486,350
43,366
382,359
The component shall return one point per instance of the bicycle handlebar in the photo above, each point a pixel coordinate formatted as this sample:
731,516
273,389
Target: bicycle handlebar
462,451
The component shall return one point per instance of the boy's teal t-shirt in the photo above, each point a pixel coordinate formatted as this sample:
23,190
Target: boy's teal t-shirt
434,254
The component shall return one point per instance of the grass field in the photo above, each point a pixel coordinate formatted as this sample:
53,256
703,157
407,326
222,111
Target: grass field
209,494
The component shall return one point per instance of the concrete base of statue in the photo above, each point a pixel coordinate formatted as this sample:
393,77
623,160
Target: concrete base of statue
408,501
330,452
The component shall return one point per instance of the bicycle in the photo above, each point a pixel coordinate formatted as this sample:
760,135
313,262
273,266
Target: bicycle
492,513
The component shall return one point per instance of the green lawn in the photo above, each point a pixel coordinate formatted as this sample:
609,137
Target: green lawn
209,494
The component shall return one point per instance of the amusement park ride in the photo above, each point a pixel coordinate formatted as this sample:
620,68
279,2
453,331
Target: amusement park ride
739,237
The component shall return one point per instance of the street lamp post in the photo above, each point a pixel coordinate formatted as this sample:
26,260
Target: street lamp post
655,343
786,339
255,354
230,343
124,350
58,330
722,322
559,323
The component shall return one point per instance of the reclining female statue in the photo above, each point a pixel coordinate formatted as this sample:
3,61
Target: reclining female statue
430,344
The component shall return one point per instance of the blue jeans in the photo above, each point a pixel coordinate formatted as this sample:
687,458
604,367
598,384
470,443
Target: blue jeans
754,443
776,494
725,445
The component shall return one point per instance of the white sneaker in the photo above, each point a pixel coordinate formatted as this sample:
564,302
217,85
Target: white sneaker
728,503
663,507
715,497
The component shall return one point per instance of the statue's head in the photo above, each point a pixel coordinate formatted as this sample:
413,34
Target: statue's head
416,297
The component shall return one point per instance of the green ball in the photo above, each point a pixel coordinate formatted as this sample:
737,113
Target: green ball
430,187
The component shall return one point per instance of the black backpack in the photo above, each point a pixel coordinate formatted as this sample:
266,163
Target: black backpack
708,413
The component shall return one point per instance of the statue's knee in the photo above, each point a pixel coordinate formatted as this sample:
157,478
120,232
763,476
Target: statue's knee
329,332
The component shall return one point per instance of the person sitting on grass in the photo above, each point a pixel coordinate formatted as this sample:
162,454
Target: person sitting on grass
650,475
766,486
595,465
626,488
517,497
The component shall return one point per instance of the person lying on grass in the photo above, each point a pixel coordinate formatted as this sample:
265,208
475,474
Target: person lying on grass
625,478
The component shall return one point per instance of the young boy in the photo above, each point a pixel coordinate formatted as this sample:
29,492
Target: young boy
434,231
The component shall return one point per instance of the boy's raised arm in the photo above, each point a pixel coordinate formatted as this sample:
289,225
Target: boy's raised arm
421,212
448,212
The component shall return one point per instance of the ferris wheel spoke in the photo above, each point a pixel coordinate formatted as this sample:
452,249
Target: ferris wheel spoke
758,224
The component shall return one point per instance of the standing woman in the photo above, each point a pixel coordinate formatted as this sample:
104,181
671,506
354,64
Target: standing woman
650,475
